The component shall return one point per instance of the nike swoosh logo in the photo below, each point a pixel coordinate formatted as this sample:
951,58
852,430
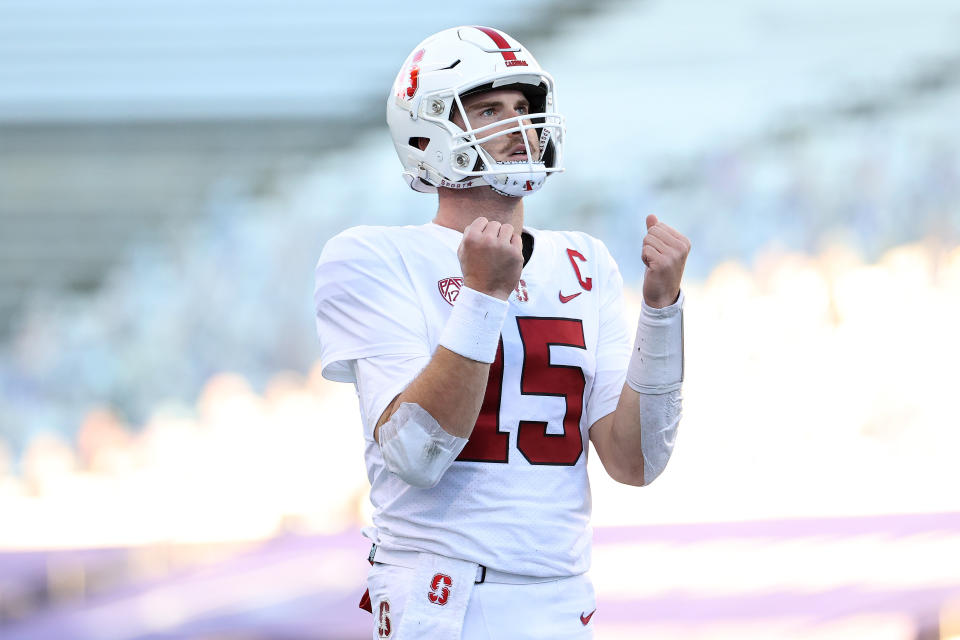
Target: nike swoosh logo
586,618
565,299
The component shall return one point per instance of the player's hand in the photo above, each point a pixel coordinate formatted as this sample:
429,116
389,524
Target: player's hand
491,257
665,253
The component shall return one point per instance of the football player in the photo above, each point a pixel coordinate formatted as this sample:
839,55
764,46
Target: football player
486,353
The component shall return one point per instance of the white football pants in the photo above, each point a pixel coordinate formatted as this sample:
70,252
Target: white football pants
560,609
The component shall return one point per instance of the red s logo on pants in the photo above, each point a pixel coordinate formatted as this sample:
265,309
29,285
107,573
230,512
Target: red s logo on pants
439,589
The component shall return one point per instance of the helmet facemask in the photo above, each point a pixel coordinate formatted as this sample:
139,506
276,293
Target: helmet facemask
515,178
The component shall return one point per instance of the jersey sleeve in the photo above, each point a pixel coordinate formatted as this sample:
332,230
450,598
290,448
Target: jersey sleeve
365,303
614,344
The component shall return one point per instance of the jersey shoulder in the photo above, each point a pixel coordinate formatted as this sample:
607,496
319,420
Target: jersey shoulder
380,239
360,241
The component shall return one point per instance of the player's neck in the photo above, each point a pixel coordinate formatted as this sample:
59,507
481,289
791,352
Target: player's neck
458,208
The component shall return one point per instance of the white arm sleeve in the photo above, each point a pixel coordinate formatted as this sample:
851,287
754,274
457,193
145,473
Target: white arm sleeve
656,373
659,418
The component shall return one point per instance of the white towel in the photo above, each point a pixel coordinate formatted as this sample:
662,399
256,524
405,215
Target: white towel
438,598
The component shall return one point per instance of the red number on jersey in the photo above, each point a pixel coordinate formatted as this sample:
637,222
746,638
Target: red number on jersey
541,378
488,444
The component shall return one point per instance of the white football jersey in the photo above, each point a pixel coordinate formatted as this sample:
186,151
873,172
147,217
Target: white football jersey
517,499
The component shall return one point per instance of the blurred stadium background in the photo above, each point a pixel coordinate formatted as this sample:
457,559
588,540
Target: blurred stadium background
173,466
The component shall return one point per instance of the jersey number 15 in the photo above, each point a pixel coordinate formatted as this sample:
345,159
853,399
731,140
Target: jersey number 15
539,377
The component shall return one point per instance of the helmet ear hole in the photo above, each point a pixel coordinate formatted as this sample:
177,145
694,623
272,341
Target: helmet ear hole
419,143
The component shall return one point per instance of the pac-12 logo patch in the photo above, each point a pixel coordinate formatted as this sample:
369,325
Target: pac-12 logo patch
383,619
440,589
450,288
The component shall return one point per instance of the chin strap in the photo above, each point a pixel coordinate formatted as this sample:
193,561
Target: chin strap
427,179
519,184
514,185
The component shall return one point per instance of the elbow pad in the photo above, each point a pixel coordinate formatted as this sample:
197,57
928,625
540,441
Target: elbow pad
659,417
415,446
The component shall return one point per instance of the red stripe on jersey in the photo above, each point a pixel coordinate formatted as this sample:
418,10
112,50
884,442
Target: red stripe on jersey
501,42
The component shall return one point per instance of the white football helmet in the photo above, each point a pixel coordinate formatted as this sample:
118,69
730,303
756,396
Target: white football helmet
434,77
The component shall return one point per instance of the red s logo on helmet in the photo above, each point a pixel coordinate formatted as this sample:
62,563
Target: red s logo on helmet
413,76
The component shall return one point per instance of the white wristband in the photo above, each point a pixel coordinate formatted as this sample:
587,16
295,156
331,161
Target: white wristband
656,365
473,328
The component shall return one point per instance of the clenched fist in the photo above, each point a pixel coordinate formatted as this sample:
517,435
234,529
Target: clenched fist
665,253
491,258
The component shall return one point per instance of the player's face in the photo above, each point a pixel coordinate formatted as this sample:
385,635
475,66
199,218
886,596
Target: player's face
495,105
